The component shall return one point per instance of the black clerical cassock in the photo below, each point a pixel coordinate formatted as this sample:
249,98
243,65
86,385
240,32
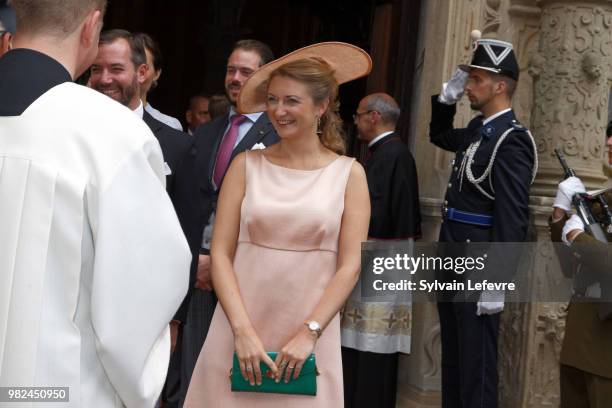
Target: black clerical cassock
394,191
370,364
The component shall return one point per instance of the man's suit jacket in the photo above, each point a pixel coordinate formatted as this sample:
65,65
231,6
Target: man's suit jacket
182,184
175,146
208,139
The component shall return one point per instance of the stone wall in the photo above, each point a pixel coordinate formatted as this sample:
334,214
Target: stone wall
564,49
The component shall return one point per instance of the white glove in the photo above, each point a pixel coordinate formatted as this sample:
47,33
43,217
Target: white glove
452,90
490,302
574,223
567,189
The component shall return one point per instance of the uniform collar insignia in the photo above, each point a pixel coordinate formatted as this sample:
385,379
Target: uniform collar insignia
487,131
498,125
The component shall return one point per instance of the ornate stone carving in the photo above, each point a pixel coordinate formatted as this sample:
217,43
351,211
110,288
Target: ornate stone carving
526,20
543,387
571,72
491,17
563,48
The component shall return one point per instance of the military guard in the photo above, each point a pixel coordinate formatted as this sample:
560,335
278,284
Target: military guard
586,355
486,201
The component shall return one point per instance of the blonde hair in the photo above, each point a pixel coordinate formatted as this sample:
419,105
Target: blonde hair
319,79
57,17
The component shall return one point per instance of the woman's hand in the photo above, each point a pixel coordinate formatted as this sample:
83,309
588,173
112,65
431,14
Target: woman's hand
250,352
292,356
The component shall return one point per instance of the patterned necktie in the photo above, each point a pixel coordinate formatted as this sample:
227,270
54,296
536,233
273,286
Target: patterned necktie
227,146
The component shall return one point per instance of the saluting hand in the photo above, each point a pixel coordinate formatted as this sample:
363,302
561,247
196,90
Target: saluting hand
452,90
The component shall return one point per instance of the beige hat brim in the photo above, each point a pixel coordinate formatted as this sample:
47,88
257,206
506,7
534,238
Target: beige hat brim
348,61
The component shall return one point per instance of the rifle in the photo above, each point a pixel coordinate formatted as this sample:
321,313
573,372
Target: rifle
581,203
607,213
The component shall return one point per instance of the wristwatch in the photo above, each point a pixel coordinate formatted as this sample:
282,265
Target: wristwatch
314,327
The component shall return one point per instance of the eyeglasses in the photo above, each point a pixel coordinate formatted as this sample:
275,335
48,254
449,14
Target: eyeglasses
356,115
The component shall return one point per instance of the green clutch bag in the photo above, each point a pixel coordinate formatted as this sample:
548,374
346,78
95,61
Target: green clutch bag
306,383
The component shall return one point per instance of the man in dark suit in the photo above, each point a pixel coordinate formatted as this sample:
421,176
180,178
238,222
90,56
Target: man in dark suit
370,358
487,200
118,71
217,143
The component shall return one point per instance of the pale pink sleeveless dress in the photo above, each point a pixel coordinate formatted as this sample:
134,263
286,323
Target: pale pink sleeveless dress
285,258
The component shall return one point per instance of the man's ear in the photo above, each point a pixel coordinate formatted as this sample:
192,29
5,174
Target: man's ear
375,117
141,73
500,87
90,32
5,43
188,115
157,75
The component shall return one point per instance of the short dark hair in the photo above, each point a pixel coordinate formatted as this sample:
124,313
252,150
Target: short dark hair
609,130
195,97
136,47
218,105
263,50
510,83
150,44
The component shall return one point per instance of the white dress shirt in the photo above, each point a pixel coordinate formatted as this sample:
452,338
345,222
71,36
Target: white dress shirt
496,115
377,138
139,111
244,126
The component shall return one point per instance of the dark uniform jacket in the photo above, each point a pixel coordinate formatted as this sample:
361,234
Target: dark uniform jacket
508,183
510,177
587,345
394,190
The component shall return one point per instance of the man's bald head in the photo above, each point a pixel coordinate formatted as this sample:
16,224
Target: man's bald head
58,18
385,105
377,113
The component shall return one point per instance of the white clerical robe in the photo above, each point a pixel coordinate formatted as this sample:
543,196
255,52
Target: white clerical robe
93,262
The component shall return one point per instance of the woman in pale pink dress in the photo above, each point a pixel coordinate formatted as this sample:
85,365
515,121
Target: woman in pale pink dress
287,237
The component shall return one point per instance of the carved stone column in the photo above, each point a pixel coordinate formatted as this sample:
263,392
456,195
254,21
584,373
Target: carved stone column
572,79
571,74
563,97
531,333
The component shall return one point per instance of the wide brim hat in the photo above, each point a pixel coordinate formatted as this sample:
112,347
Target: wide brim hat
348,62
494,56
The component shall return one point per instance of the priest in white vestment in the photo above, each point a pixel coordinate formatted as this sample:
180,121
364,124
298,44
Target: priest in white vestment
93,262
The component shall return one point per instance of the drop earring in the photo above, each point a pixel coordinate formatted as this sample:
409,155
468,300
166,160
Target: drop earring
319,125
